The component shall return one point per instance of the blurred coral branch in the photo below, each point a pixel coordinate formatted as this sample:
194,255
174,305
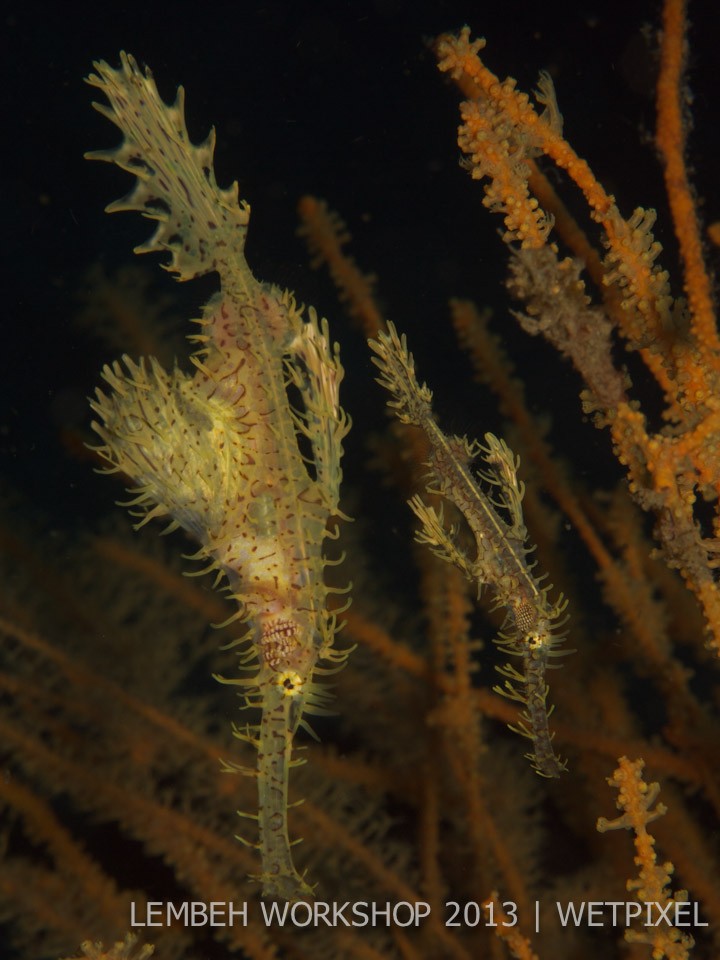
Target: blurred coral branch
673,471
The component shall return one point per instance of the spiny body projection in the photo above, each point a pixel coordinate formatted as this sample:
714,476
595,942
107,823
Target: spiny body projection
219,453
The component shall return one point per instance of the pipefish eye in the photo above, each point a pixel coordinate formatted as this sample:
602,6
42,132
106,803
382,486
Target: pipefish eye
291,682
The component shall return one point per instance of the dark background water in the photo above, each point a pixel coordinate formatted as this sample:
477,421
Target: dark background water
342,100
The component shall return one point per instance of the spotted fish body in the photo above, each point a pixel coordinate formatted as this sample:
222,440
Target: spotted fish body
219,453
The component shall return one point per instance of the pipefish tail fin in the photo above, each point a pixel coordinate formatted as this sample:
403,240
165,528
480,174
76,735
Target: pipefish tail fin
200,224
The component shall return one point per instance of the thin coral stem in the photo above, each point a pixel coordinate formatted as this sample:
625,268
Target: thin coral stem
671,141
